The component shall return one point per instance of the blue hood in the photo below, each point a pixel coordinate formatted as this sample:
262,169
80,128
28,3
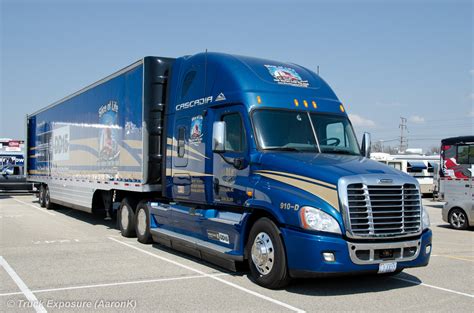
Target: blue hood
325,167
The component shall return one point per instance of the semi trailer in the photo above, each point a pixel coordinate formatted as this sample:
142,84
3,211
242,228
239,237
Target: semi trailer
232,159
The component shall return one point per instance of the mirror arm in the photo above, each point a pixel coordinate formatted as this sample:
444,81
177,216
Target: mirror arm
226,160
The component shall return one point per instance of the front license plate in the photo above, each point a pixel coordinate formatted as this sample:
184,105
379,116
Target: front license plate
387,267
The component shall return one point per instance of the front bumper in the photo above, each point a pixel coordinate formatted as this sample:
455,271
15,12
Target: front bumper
305,254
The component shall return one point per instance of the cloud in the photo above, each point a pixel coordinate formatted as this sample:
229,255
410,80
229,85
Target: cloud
358,120
471,96
471,114
472,72
417,119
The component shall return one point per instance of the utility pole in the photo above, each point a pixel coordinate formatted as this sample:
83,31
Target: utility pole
403,139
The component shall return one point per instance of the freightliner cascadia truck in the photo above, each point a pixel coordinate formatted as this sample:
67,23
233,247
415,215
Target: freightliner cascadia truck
233,160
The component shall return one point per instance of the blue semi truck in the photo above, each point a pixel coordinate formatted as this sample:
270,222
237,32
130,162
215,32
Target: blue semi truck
232,159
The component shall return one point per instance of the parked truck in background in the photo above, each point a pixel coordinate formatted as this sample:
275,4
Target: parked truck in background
12,169
454,182
231,159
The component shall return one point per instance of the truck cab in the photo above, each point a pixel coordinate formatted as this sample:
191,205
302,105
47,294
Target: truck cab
262,166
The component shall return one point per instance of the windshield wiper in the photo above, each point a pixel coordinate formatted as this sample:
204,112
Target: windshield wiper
282,149
337,151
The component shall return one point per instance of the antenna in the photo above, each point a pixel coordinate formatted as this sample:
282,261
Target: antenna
318,69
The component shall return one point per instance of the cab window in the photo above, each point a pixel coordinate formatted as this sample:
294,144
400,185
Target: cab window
235,138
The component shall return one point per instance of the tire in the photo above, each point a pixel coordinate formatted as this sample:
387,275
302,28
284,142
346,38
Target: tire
266,255
142,223
126,218
458,219
41,199
47,199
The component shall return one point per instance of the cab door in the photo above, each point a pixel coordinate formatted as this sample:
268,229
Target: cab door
231,168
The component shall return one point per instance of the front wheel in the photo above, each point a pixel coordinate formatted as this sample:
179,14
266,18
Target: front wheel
266,255
458,219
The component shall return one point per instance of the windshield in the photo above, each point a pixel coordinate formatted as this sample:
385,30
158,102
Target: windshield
295,131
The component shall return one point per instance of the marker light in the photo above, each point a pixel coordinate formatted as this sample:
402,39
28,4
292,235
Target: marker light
314,104
342,108
249,193
259,100
296,102
315,219
305,103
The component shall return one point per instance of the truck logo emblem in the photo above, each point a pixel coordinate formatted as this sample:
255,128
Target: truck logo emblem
385,181
286,76
220,97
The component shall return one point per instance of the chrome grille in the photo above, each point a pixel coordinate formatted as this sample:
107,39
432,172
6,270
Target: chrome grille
383,210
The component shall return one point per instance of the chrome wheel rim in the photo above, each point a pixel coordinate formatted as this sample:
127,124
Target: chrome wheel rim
263,253
458,219
141,222
124,217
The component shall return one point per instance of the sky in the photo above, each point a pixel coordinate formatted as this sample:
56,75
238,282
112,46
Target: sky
384,59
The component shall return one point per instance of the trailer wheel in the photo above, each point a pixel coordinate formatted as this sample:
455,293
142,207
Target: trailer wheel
41,196
142,223
126,218
458,219
47,199
266,255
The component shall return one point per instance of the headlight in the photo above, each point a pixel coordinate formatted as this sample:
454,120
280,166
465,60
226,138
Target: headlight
425,219
315,219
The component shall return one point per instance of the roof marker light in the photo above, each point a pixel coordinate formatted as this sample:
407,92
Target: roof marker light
259,100
314,104
342,108
296,102
305,103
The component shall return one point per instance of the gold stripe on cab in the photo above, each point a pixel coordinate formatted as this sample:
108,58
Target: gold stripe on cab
299,177
328,195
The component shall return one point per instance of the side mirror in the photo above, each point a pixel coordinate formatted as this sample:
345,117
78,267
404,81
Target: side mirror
365,146
218,137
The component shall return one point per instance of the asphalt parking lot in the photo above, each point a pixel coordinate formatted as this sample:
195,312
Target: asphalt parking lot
66,260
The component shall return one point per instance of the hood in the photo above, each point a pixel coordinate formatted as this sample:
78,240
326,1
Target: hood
324,167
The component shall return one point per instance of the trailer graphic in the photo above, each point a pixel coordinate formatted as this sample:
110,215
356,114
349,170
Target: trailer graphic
225,159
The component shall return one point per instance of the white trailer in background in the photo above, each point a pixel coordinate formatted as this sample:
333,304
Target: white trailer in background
419,166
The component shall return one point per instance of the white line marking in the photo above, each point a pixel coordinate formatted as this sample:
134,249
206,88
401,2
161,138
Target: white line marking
114,284
24,289
256,294
34,206
434,287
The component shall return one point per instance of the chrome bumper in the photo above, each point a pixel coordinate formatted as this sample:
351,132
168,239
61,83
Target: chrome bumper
373,253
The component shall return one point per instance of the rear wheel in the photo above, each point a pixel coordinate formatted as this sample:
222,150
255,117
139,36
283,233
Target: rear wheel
47,199
41,197
458,219
142,223
266,255
127,218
